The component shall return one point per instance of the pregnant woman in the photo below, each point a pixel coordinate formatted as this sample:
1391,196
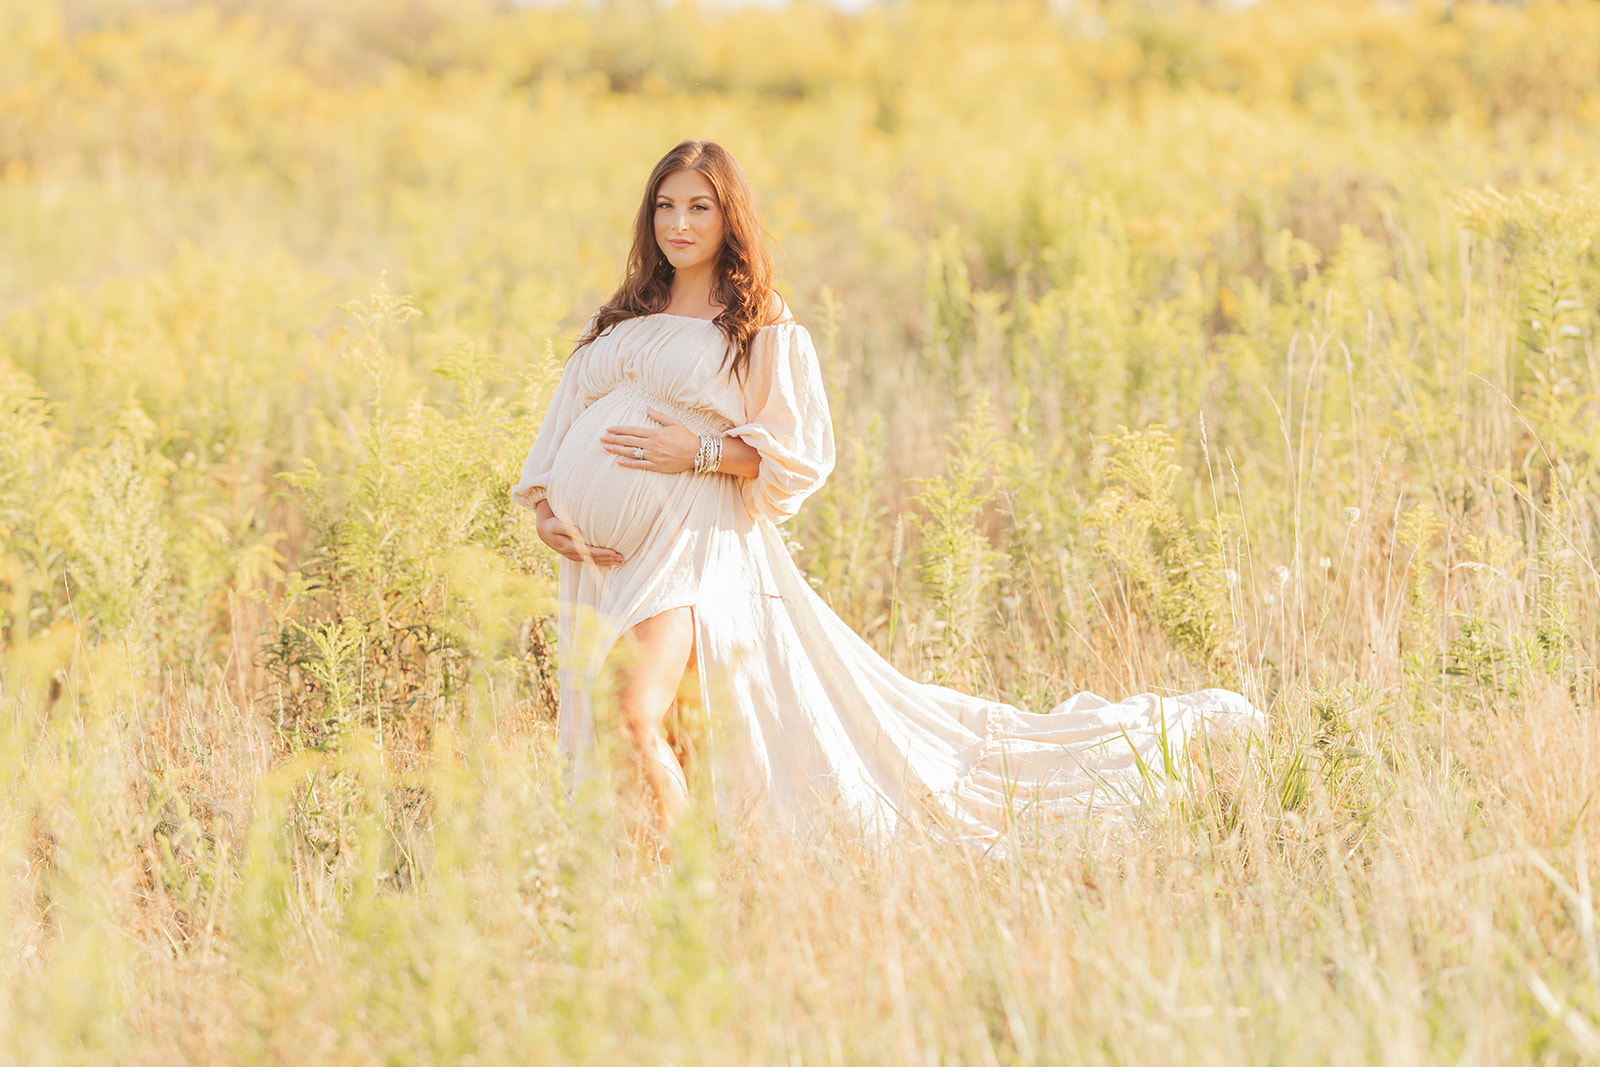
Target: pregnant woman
688,422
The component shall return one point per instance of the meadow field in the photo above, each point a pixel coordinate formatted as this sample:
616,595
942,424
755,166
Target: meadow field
1168,346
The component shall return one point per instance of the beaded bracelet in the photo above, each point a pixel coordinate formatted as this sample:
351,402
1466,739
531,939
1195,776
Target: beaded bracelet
708,460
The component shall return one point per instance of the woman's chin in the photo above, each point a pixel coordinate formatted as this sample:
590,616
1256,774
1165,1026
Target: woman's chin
685,258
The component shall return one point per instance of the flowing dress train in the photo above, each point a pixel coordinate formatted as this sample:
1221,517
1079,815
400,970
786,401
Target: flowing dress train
808,721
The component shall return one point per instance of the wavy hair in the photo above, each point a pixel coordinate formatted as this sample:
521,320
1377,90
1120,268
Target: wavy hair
741,277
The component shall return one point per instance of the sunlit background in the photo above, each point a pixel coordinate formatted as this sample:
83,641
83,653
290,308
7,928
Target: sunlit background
1168,345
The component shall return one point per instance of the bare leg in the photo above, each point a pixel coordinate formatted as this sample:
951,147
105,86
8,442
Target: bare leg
661,651
686,716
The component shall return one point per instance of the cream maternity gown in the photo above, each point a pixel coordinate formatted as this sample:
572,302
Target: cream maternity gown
807,719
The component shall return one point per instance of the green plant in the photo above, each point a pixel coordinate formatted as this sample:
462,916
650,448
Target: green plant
957,564
1166,573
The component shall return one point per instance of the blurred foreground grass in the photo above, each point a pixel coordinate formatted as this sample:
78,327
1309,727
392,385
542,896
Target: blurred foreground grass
1167,347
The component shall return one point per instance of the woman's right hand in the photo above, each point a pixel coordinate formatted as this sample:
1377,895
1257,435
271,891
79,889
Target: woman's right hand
567,539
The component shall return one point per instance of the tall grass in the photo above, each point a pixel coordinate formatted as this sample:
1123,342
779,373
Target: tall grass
1167,347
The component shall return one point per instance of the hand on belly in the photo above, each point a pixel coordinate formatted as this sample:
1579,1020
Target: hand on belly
614,500
666,445
567,540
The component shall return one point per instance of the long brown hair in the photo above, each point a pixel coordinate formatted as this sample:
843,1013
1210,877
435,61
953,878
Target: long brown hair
741,278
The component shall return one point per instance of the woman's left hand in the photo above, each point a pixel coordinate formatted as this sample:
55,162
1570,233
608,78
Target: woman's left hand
668,447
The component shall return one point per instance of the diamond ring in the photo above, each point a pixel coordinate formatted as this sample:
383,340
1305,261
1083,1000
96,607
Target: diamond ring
638,453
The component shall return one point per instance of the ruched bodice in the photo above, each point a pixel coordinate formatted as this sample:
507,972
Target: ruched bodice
666,362
807,718
675,359
679,363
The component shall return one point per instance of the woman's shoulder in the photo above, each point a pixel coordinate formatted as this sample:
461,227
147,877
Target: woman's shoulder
778,313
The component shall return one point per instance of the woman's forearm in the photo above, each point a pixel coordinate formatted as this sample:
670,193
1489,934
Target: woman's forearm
739,458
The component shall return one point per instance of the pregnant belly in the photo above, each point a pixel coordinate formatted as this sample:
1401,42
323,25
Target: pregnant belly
614,506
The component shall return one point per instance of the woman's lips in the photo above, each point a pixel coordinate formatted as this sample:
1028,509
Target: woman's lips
680,244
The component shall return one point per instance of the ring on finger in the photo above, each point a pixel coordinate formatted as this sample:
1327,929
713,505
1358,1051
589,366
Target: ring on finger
638,453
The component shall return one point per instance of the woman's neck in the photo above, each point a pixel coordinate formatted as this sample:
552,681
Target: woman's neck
691,293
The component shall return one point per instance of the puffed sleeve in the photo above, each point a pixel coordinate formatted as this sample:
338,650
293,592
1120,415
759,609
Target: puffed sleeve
787,421
565,407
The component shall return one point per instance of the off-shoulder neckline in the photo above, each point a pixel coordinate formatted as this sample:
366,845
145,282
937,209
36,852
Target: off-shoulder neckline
791,321
670,315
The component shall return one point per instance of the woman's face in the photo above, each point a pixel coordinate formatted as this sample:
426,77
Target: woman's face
688,220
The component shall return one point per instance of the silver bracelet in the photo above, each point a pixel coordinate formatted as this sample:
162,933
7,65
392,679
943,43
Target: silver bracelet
708,460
